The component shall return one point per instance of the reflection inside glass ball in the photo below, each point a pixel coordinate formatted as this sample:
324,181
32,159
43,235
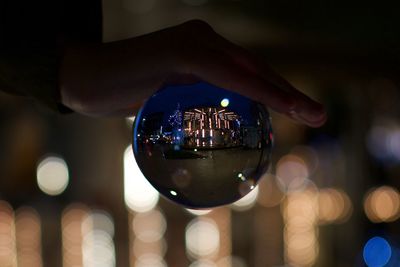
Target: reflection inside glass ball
202,146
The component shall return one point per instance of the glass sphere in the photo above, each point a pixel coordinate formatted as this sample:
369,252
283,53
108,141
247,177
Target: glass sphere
202,146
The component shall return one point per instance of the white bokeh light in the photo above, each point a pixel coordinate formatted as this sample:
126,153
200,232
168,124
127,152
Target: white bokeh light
99,220
150,226
140,195
202,237
198,212
246,202
98,249
52,175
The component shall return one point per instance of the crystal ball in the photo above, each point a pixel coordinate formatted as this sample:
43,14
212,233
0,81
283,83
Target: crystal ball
202,146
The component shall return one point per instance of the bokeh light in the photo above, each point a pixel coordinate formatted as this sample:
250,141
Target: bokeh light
224,102
377,252
149,226
334,206
98,245
246,202
99,220
28,237
383,141
52,175
152,260
300,211
141,248
199,212
98,249
308,155
292,173
72,235
202,263
147,243
382,204
8,255
202,237
140,195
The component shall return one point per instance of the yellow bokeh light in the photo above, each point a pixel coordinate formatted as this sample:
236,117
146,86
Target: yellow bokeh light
334,206
300,212
224,102
8,255
72,235
382,204
28,237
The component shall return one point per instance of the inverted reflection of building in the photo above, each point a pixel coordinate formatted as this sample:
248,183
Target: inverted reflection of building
204,128
211,128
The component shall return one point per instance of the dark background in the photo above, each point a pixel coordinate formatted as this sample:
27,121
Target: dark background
344,54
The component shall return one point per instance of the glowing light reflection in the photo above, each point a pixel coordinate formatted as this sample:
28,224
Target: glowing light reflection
246,202
225,102
140,196
198,212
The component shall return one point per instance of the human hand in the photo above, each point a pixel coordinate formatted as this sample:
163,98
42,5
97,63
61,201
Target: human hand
116,78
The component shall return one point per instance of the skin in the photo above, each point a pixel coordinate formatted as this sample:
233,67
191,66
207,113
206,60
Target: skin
116,78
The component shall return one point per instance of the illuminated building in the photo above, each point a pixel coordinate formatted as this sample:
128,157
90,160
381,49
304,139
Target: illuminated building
211,127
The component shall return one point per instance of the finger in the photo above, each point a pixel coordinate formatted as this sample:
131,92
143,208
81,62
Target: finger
307,110
220,70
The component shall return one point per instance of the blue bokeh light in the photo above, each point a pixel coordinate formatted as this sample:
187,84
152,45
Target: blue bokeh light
377,252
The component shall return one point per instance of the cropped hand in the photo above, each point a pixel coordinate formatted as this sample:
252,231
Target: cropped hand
117,77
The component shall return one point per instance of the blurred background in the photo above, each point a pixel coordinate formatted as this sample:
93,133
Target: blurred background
71,194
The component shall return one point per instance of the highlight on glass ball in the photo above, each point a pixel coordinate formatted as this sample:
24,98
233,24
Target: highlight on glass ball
202,146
